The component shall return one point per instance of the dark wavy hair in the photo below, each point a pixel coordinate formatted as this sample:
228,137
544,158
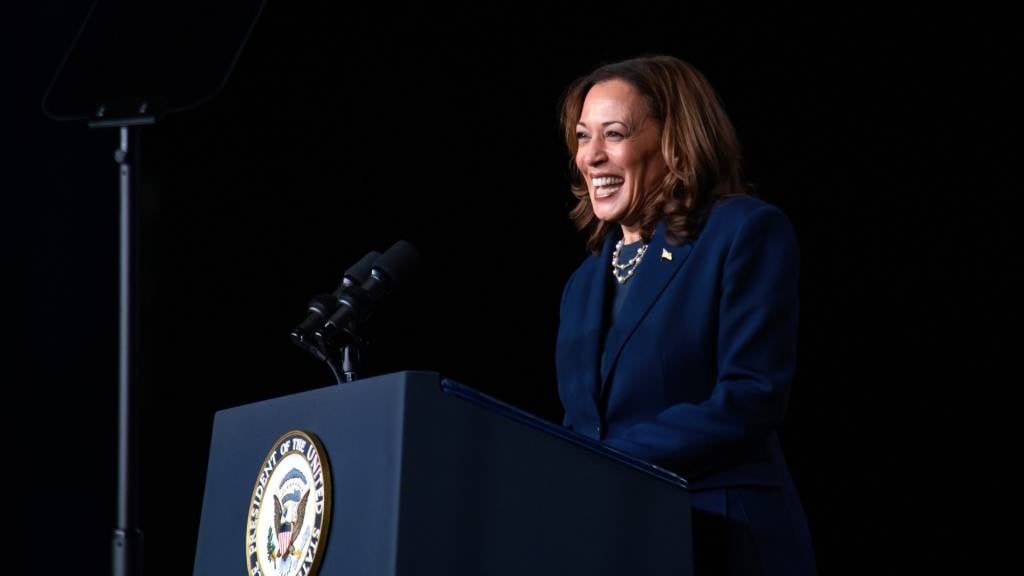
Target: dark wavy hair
698,143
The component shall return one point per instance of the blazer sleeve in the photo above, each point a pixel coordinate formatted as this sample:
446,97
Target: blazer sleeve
561,315
756,357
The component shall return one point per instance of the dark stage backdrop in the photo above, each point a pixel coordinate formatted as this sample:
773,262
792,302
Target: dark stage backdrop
882,136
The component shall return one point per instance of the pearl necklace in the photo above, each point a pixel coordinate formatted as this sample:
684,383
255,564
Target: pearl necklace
623,272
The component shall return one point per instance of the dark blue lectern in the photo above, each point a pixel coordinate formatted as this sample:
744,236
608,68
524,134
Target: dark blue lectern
430,477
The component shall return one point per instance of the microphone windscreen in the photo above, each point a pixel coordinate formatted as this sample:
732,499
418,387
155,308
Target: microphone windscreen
360,271
399,262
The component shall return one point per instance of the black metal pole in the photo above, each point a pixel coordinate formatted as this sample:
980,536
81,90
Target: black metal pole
127,537
350,359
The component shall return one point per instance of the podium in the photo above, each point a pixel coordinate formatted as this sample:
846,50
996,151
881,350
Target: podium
431,477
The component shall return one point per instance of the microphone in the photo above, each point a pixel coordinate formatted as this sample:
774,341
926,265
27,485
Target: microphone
388,272
322,306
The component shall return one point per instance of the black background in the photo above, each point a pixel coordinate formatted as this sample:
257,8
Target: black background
885,137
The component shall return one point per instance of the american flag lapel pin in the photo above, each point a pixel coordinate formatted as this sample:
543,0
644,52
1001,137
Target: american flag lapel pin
666,255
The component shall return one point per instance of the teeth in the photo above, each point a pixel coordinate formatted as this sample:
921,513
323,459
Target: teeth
607,181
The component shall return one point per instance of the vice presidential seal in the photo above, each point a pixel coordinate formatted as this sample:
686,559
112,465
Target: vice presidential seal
290,509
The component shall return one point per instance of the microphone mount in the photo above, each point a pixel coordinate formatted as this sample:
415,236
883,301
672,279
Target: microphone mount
332,329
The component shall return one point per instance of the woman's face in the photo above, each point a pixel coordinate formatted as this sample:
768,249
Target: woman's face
619,149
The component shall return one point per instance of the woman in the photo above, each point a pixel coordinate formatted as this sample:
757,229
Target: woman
677,337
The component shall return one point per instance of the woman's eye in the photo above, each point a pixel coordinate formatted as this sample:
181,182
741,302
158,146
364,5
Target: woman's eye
614,134
581,135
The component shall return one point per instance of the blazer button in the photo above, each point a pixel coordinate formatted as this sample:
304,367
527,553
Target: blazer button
597,429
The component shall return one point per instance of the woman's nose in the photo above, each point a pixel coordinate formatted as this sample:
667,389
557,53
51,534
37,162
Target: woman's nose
592,153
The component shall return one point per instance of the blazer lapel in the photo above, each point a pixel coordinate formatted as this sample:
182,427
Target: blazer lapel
660,264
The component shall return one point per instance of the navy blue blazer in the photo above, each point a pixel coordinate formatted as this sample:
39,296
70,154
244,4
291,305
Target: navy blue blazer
697,368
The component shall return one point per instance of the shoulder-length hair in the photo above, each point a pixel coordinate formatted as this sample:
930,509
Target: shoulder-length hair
698,144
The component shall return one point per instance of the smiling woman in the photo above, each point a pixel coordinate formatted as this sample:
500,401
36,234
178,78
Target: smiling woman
618,153
684,358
